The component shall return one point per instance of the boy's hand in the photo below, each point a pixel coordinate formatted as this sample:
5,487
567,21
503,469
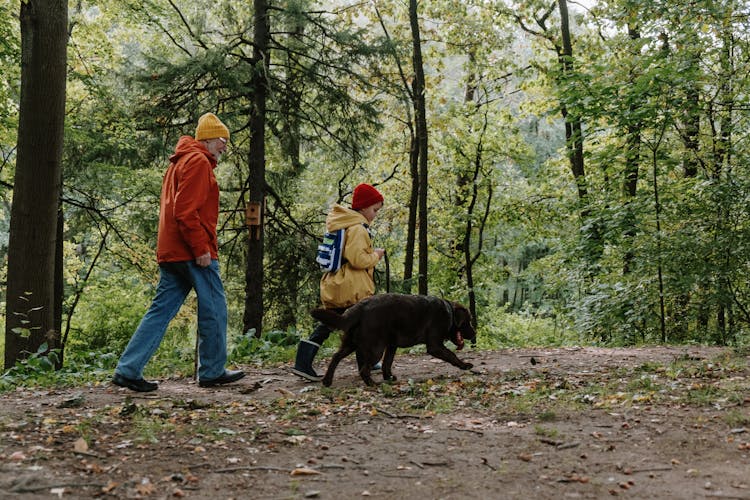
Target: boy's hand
380,252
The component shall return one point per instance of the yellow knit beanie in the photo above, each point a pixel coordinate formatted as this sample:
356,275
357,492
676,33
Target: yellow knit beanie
210,127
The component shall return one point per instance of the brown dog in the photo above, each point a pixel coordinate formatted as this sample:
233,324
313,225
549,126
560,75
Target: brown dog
387,321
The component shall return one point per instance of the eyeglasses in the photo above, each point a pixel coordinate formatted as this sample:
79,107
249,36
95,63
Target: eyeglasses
223,141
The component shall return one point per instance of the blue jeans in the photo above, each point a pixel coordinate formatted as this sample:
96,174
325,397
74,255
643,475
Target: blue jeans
176,279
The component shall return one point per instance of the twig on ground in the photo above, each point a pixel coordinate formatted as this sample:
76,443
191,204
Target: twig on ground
393,415
469,430
87,454
251,468
402,476
32,489
652,469
553,442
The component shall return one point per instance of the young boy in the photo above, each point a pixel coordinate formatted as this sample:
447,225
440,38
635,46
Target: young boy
354,280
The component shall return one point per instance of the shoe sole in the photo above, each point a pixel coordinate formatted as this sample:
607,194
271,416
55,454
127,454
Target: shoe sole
223,382
134,388
307,376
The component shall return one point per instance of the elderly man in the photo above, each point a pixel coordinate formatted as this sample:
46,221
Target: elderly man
187,252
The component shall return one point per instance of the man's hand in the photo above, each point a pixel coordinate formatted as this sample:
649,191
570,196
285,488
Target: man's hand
204,260
380,252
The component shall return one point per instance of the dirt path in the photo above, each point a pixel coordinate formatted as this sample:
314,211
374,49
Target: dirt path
529,423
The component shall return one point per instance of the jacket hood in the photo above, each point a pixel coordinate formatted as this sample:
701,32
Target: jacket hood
340,217
188,145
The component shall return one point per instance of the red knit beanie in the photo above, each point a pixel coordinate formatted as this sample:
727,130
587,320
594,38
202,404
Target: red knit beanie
365,196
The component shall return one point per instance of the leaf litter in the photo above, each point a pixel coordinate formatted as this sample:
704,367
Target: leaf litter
586,422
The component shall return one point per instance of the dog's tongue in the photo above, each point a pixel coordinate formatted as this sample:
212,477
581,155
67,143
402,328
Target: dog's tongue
459,341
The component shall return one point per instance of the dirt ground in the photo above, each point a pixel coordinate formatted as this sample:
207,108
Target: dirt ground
661,422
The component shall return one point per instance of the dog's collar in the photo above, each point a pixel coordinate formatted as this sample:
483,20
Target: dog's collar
449,308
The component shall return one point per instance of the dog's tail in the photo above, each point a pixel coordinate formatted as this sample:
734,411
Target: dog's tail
333,319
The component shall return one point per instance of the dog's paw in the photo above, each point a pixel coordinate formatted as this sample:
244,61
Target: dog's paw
467,366
326,382
392,378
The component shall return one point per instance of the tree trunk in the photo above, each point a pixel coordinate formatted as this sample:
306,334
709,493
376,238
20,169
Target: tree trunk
422,143
573,129
59,289
632,164
253,315
469,203
31,308
411,229
574,142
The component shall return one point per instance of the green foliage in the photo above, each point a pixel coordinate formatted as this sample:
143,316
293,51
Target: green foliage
10,57
526,328
80,367
109,313
39,365
274,346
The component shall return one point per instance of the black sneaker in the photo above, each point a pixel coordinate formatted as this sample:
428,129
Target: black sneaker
134,384
227,377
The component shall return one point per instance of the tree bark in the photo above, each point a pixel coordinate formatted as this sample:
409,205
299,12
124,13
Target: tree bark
411,229
30,310
573,129
253,315
422,142
632,164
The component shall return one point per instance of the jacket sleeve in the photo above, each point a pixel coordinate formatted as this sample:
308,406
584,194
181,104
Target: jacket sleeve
358,249
191,195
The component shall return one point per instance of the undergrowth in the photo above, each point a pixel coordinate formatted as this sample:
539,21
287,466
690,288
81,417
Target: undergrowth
177,354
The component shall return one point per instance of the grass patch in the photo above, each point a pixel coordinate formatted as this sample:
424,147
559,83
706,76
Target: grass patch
149,428
546,432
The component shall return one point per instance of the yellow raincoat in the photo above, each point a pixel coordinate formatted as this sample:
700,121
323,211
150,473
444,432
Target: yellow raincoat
354,280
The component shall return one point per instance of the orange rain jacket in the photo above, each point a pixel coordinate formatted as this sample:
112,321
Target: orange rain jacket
189,204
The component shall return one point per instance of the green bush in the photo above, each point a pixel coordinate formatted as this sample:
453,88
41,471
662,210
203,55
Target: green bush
524,329
273,346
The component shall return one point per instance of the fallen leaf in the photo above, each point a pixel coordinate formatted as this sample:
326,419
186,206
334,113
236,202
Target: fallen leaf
110,486
295,439
145,487
304,471
80,446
